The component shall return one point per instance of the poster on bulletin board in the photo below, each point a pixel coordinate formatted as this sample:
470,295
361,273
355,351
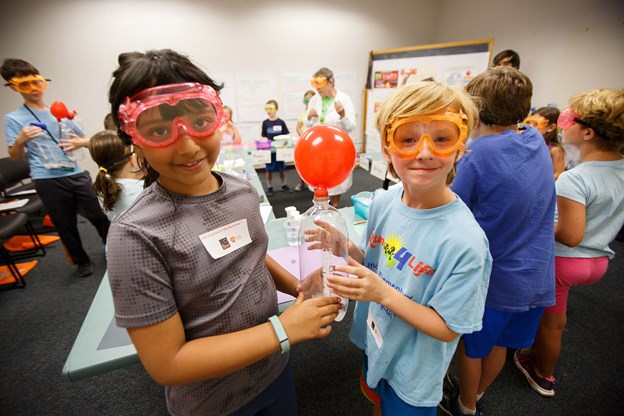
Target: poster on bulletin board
453,63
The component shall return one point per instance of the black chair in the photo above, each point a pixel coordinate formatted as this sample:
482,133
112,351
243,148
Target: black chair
15,178
10,225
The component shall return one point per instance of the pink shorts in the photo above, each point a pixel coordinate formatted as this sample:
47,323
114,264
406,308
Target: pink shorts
574,271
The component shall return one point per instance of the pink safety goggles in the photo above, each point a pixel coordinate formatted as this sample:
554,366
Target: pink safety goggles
155,117
568,118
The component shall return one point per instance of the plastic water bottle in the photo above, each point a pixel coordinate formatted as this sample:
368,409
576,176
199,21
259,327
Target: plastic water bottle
64,129
323,244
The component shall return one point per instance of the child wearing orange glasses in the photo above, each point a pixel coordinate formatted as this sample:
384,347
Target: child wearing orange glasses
188,266
590,208
423,265
544,119
271,128
63,186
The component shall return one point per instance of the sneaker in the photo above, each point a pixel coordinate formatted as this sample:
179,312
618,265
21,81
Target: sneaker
85,269
270,191
299,187
450,404
451,382
526,364
286,188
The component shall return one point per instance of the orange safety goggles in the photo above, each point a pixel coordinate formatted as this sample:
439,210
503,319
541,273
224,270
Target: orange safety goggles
318,82
536,121
443,133
28,84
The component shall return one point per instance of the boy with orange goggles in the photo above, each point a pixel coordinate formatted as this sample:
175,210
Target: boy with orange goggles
28,84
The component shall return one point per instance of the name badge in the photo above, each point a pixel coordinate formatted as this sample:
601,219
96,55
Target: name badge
374,328
277,129
226,239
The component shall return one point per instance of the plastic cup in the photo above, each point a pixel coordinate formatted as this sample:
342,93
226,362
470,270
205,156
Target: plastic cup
292,232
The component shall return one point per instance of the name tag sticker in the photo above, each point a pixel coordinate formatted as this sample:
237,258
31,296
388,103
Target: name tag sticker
374,328
226,239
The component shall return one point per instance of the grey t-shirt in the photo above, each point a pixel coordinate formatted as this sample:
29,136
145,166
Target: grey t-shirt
158,266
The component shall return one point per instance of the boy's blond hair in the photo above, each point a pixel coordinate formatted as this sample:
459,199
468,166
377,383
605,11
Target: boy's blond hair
420,99
503,95
602,109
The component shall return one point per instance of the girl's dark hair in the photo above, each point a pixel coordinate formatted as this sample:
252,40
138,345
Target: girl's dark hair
551,114
111,155
138,71
515,58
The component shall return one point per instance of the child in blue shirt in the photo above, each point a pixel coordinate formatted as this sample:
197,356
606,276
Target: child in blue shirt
63,186
271,128
506,179
425,262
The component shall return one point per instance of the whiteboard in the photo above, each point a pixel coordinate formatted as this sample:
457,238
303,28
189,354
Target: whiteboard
246,92
451,63
253,90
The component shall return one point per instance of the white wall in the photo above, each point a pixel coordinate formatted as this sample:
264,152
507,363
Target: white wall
566,45
76,43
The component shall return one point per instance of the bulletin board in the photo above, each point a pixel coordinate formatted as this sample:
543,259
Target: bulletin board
454,63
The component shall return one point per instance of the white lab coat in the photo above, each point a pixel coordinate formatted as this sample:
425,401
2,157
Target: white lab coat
347,123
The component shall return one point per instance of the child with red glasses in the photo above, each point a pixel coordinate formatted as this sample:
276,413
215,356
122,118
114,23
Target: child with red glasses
590,208
188,268
423,265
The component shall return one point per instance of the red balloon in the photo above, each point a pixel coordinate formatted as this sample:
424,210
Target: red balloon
324,156
59,111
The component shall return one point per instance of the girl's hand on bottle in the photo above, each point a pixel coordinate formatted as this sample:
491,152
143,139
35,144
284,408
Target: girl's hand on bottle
326,237
309,319
74,142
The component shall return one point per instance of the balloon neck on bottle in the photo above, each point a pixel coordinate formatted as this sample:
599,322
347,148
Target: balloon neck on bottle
321,193
321,197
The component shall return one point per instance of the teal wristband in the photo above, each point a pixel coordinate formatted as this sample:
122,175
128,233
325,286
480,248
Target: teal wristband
281,334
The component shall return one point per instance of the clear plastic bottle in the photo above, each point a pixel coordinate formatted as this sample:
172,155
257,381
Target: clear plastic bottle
323,244
76,155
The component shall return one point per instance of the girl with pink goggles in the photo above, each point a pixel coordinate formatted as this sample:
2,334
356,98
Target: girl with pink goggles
568,118
155,117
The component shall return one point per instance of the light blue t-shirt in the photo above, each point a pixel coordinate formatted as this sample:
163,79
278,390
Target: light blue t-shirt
44,154
438,258
600,187
131,188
